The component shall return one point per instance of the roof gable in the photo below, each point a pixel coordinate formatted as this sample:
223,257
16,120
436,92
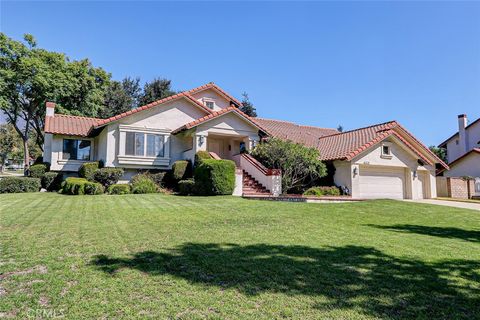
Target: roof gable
216,115
182,95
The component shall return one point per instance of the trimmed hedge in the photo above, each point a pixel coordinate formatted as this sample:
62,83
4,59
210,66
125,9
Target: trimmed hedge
158,178
108,176
19,184
87,170
119,189
181,170
186,187
142,183
200,156
215,177
80,186
322,191
39,170
52,181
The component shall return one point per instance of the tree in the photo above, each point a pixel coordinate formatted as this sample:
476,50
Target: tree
299,164
156,90
30,76
121,97
10,144
247,106
340,128
439,152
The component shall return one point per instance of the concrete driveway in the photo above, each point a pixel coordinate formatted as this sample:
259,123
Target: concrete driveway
456,204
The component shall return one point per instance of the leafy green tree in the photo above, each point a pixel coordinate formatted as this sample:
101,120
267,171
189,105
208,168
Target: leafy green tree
247,106
156,90
121,97
30,76
10,144
439,152
299,164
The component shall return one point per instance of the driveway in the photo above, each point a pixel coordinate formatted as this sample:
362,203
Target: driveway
456,204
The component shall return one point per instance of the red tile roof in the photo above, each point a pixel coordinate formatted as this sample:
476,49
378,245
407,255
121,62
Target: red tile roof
217,114
294,132
69,125
334,145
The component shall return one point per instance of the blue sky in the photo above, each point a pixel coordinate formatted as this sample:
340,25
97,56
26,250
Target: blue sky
315,63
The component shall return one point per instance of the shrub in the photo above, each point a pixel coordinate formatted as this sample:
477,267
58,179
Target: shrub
119,189
87,170
299,164
186,187
39,170
322,191
108,176
52,181
142,183
215,177
79,186
157,178
181,170
200,156
19,184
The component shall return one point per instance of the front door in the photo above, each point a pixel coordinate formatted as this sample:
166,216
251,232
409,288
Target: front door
214,145
477,186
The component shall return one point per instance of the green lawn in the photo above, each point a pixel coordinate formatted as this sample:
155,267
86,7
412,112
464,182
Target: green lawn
141,256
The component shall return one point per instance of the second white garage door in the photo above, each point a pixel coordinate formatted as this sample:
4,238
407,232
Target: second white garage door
382,183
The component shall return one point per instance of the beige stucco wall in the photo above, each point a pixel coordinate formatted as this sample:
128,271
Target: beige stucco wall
219,101
400,158
468,166
55,144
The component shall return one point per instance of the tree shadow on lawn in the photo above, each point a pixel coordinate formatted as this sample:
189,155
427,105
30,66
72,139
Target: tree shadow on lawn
452,233
349,277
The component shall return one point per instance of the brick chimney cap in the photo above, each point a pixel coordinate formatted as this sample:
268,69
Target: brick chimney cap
50,104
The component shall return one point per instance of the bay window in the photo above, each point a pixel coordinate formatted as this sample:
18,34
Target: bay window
76,149
141,144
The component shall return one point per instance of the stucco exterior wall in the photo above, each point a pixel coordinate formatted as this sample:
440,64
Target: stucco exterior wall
468,166
219,101
56,154
473,138
400,158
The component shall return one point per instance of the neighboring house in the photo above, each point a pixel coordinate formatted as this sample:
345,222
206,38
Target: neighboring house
380,161
463,150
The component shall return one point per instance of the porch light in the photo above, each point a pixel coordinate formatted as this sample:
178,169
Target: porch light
415,175
254,143
355,171
201,140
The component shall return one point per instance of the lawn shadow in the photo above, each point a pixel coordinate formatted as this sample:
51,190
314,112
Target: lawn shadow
349,277
444,232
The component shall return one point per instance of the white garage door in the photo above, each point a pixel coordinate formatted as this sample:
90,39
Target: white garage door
382,183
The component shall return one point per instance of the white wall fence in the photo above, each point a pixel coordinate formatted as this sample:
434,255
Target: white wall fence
271,179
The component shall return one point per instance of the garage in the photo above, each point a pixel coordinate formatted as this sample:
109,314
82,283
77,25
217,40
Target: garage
381,182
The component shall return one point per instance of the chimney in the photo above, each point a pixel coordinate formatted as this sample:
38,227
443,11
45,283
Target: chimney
50,109
462,134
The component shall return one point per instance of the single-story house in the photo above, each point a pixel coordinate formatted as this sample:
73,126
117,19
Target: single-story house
379,161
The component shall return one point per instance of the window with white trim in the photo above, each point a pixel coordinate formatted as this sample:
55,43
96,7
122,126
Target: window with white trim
386,151
210,104
141,144
74,149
